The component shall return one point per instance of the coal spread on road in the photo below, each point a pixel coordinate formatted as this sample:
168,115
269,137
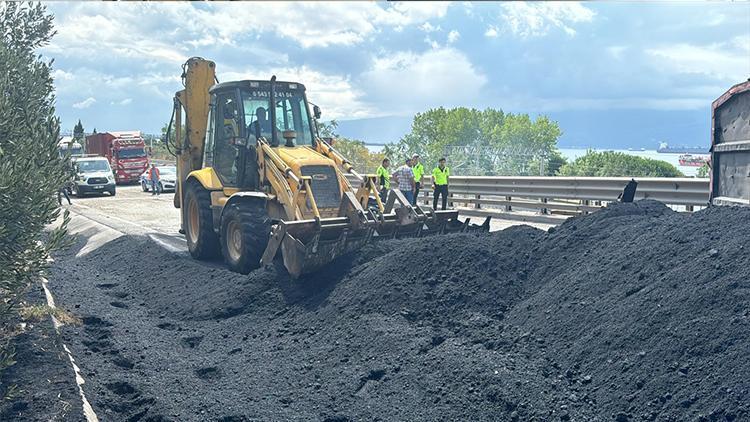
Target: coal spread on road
632,313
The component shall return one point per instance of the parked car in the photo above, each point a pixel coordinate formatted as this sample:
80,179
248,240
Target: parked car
93,175
167,176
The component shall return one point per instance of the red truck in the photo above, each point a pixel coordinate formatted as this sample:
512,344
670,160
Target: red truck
126,152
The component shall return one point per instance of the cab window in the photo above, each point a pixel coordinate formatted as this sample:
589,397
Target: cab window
226,132
291,116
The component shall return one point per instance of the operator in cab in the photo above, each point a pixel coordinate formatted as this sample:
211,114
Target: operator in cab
262,124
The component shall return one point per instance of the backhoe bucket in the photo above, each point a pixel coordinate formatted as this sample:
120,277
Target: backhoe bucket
443,221
308,245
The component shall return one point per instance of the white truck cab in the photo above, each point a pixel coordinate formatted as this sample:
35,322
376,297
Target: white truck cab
93,175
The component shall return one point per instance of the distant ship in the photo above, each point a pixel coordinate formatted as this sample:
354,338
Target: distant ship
692,160
665,148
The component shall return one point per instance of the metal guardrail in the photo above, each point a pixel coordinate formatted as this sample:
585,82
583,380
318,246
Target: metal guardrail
491,195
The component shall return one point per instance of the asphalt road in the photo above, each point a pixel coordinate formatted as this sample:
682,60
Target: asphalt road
133,211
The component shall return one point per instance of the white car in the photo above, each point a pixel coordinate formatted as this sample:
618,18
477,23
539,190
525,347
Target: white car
93,175
167,177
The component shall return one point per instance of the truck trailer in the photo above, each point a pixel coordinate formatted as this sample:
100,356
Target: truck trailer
126,152
730,147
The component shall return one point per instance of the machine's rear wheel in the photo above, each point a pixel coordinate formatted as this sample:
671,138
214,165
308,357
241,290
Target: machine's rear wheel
245,229
143,186
203,243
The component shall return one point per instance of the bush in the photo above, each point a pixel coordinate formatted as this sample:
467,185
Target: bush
31,171
617,164
703,171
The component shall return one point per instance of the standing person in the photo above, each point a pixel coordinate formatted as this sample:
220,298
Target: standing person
418,170
67,185
63,191
153,174
404,176
440,183
384,179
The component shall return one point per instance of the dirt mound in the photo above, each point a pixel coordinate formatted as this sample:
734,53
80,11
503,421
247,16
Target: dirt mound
631,313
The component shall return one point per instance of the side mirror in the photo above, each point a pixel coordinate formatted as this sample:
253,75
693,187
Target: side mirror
316,112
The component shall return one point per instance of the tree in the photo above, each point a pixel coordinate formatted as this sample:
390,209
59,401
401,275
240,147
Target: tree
78,131
30,167
327,130
482,142
618,164
363,160
703,171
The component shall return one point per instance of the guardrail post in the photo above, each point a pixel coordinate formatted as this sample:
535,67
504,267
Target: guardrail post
689,208
508,207
477,205
585,202
450,199
544,210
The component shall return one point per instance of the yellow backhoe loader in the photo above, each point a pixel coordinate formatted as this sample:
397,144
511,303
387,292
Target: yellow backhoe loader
253,177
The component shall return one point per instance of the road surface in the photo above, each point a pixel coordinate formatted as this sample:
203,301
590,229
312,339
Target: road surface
133,211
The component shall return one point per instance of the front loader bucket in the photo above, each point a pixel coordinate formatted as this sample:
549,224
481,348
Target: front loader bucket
308,245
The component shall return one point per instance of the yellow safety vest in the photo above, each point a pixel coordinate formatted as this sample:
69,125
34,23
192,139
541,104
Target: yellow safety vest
384,176
440,177
418,172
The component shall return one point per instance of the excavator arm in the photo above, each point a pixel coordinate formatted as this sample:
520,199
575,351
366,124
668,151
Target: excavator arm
198,75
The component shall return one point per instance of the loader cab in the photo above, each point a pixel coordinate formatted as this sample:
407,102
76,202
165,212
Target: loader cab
242,112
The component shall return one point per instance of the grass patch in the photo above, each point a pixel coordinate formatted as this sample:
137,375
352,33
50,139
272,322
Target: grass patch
39,312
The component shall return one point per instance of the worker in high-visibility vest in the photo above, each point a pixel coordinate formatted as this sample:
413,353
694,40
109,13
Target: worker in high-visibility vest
418,170
384,179
440,183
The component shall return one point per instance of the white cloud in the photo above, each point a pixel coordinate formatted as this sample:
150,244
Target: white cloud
406,81
491,32
335,94
126,101
728,61
453,36
427,27
537,19
170,33
432,43
318,24
59,74
88,102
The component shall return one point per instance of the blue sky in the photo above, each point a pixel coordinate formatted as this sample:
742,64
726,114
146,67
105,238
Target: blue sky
117,64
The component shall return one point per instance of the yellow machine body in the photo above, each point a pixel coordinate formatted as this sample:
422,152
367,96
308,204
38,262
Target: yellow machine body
295,196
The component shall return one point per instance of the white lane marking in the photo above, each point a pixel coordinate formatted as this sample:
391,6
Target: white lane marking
165,245
88,411
151,233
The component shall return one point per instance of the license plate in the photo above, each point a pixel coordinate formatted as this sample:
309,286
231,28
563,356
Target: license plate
99,187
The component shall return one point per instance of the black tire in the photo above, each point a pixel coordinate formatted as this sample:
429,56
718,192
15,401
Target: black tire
203,243
77,192
112,192
245,230
144,187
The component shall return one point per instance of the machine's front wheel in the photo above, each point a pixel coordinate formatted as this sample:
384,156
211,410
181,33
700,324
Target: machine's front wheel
245,230
198,223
